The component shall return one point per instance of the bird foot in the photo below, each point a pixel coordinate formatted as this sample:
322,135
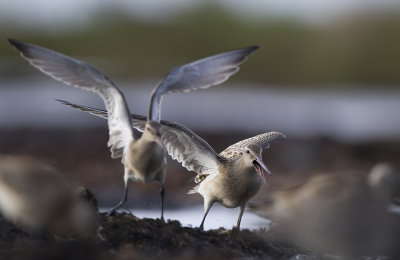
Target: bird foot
236,230
113,212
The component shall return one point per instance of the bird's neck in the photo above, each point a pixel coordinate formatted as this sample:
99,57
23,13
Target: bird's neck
147,137
243,167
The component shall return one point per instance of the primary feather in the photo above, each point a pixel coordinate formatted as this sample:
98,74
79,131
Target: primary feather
262,140
199,74
180,142
82,75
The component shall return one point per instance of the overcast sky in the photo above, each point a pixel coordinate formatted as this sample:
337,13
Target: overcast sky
45,12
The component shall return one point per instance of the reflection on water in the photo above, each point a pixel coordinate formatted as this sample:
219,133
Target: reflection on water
355,116
216,218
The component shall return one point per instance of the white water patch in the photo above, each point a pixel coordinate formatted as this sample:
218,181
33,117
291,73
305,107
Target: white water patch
216,218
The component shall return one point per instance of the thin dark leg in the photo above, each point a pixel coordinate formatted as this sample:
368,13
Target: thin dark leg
162,192
242,207
207,208
122,201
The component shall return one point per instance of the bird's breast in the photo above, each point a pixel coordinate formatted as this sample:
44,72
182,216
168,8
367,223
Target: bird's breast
145,162
232,188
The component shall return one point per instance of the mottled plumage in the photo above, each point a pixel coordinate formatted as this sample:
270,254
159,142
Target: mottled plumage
230,178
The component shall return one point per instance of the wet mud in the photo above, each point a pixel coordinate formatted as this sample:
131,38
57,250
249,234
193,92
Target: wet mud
124,236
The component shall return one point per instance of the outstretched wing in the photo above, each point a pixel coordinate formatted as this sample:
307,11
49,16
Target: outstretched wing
81,75
180,142
199,74
262,140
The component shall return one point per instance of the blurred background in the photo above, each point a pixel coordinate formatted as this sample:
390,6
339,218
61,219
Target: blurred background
326,75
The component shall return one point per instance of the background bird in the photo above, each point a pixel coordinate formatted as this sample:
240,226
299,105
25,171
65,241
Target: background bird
343,213
36,197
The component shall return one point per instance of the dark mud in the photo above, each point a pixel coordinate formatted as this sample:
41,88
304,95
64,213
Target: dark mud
86,159
125,236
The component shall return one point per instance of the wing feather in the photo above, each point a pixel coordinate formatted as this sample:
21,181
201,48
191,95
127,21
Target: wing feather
81,75
189,149
199,74
180,142
262,140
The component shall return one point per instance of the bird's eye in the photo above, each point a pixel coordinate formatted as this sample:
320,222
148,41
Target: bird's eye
247,151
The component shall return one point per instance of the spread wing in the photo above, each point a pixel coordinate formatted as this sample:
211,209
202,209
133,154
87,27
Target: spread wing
199,74
81,75
180,142
262,140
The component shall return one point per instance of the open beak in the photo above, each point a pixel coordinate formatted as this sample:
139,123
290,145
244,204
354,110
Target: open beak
260,168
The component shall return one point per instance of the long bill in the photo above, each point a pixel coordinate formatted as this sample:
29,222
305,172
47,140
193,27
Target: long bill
260,168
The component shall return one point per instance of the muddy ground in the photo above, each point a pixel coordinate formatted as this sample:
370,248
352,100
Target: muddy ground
128,237
84,157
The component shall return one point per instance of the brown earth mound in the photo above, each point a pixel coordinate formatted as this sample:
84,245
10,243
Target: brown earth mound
128,237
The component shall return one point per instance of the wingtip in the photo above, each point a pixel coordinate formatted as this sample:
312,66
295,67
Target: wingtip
249,49
19,46
64,102
61,101
282,136
15,43
253,48
279,136
12,41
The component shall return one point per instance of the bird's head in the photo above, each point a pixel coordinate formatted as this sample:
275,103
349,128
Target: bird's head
152,130
253,154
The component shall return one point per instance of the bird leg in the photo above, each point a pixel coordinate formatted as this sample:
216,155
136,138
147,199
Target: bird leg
162,192
122,201
241,211
207,207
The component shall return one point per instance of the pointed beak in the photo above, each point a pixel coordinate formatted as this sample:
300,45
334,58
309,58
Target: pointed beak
264,166
260,168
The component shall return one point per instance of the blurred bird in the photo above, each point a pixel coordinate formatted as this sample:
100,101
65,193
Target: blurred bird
230,178
142,154
344,213
36,197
